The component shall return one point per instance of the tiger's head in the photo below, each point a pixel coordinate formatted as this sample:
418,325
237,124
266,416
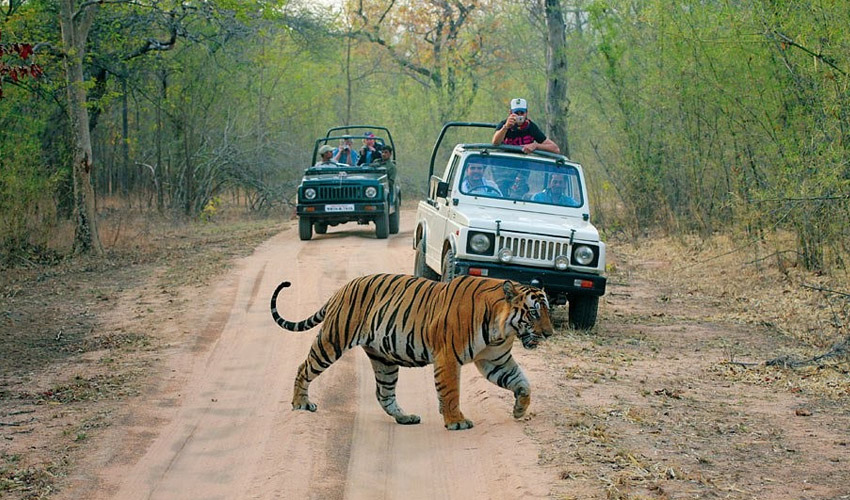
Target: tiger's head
529,314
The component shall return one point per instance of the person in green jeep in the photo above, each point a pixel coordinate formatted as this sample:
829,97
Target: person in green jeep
386,161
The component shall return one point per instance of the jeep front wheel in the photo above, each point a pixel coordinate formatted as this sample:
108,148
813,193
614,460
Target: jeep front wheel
420,268
448,270
382,226
583,312
305,229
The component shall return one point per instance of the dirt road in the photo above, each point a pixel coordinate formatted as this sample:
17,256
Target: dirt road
219,423
668,397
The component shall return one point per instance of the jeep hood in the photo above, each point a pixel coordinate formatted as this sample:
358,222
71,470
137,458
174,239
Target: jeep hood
558,225
335,177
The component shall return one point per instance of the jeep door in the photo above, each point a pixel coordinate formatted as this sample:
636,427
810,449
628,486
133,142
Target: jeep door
438,218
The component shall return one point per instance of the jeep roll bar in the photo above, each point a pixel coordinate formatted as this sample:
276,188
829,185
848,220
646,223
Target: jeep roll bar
326,139
485,146
349,127
446,127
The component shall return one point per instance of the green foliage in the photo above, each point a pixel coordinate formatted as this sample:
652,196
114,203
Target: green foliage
688,116
27,206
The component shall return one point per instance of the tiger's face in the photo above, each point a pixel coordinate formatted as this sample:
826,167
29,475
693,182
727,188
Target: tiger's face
530,315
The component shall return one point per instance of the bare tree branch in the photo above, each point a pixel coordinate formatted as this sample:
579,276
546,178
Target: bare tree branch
828,60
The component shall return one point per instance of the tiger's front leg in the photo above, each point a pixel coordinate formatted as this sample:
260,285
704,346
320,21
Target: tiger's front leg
507,374
447,379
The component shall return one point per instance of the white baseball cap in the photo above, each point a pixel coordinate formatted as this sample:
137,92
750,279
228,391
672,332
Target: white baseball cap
518,104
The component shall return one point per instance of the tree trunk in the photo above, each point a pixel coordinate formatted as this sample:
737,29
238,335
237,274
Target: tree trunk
75,28
159,172
125,141
557,100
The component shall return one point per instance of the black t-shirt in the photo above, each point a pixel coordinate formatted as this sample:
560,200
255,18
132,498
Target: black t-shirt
527,133
367,156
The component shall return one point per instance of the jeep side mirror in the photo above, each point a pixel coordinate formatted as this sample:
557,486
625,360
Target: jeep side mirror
442,189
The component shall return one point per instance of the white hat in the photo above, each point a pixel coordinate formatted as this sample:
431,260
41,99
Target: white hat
324,149
518,104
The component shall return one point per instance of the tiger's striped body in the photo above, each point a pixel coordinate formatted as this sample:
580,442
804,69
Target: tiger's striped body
401,320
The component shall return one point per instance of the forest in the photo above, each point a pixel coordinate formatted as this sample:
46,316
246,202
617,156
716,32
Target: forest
690,117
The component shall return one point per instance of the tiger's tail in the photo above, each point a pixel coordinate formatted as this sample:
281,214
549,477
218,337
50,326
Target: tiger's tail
301,326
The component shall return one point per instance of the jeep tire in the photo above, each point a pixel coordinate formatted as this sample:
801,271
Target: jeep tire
394,220
583,311
382,223
420,268
321,227
448,270
305,228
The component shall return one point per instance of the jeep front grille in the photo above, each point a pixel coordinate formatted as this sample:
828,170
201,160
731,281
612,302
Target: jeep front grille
334,193
534,250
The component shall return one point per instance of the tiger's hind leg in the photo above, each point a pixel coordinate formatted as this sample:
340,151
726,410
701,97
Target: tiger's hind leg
507,374
386,378
322,355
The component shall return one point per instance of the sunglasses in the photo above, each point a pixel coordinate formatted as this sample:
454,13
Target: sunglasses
474,167
519,112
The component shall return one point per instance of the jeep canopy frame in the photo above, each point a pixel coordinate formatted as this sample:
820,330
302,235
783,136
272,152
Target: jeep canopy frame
359,136
485,146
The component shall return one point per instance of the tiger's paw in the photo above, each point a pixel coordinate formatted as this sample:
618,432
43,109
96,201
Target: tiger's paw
407,419
459,425
521,404
304,405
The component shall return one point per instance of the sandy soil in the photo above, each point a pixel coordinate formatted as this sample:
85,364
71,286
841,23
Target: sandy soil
667,398
220,425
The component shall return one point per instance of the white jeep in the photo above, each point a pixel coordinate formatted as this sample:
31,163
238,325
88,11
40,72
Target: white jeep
497,212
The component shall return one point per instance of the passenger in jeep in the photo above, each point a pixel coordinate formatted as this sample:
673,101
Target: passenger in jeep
519,188
386,161
474,181
518,130
370,151
325,154
345,153
555,192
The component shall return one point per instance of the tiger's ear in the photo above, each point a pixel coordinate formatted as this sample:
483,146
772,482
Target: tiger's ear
510,291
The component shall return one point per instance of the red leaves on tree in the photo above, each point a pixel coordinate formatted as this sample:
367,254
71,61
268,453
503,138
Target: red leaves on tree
16,72
24,50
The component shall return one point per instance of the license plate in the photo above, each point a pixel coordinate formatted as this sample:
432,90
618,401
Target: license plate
340,208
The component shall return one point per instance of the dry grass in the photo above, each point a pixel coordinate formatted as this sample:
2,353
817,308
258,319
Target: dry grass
670,396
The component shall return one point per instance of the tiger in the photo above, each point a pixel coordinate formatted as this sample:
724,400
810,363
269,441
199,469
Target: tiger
406,321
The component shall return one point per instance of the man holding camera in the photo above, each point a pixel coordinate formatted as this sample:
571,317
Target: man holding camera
518,130
371,151
345,153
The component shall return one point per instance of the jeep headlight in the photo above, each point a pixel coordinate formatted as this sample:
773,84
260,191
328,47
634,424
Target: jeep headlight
562,262
371,192
583,255
310,194
480,243
505,255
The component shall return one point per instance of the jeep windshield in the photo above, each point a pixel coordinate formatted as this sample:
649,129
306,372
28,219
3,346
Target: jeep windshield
521,179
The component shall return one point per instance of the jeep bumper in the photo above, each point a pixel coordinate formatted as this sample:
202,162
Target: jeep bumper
556,283
341,211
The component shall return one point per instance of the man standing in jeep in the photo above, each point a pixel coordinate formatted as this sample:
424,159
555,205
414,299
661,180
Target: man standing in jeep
518,130
370,151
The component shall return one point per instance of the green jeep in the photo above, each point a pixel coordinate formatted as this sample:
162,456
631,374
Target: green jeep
334,193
